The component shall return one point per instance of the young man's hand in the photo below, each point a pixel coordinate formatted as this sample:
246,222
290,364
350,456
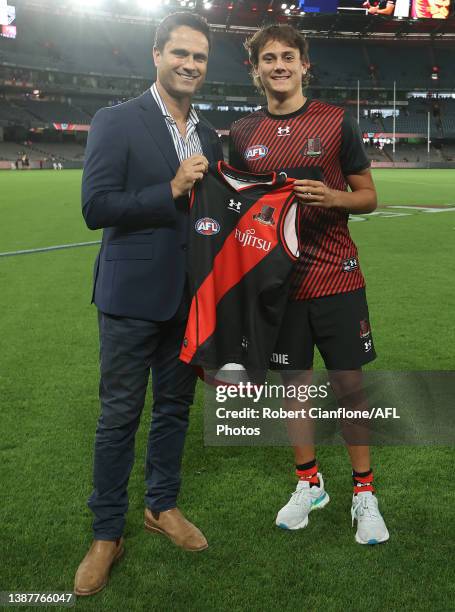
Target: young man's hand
314,192
361,199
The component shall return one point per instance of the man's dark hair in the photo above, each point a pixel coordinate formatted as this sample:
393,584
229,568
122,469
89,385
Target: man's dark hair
175,20
283,33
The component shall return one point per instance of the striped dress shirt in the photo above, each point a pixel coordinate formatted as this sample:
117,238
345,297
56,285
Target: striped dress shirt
185,147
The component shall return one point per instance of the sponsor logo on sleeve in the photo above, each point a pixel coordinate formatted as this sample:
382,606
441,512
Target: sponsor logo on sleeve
351,264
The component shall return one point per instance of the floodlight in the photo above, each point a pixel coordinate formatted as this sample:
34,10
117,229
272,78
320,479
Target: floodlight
87,3
149,5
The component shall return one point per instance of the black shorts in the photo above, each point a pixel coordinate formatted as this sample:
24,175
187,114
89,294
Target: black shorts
338,325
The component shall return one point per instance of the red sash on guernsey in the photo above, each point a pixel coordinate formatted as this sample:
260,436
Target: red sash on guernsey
243,244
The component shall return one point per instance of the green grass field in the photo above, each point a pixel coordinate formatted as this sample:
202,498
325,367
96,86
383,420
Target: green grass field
49,410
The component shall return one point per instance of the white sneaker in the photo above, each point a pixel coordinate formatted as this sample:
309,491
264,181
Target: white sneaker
371,528
294,515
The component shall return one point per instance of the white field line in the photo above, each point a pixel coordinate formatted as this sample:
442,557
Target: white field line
389,214
427,209
378,213
57,247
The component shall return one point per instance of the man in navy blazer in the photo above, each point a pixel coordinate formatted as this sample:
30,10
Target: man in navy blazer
142,159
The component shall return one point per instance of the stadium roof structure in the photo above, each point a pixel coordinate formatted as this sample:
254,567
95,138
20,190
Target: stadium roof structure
247,15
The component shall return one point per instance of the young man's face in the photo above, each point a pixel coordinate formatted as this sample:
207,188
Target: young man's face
280,69
182,64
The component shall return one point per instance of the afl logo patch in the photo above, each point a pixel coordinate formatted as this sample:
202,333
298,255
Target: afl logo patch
207,226
256,152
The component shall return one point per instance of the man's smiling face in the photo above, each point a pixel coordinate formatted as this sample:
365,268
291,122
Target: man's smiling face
182,64
280,69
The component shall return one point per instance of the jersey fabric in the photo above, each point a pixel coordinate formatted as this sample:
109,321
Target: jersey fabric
243,245
324,138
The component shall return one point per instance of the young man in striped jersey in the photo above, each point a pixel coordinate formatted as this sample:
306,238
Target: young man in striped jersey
327,306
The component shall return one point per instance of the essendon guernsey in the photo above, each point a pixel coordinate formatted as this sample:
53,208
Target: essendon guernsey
326,139
242,247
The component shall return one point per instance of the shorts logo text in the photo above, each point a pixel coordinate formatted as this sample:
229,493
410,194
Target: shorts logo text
280,358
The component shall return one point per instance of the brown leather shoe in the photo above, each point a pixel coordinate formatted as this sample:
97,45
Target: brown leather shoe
93,572
176,527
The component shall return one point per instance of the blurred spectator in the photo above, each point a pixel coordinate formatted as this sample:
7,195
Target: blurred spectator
430,9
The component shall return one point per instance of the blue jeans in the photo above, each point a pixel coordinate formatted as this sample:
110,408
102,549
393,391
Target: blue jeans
129,350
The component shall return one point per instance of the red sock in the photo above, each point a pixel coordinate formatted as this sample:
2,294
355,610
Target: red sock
363,481
308,472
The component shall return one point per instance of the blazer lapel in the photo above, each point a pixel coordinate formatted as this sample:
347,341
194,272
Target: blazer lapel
156,125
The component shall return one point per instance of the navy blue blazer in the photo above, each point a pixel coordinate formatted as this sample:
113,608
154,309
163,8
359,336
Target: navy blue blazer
130,160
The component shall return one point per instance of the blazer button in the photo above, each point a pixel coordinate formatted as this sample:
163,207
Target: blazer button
184,247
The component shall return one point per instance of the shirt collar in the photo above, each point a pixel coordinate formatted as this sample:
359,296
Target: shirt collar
193,118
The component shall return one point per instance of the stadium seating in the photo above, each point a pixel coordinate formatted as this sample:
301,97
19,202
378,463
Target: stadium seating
369,125
54,112
29,112
408,153
13,114
448,152
448,125
63,151
93,62
414,124
337,64
90,106
108,47
10,151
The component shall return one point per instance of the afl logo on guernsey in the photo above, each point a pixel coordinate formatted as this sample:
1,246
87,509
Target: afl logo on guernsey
256,152
207,226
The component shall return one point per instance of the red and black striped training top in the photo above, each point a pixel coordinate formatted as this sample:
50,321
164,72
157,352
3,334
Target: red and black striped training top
326,139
